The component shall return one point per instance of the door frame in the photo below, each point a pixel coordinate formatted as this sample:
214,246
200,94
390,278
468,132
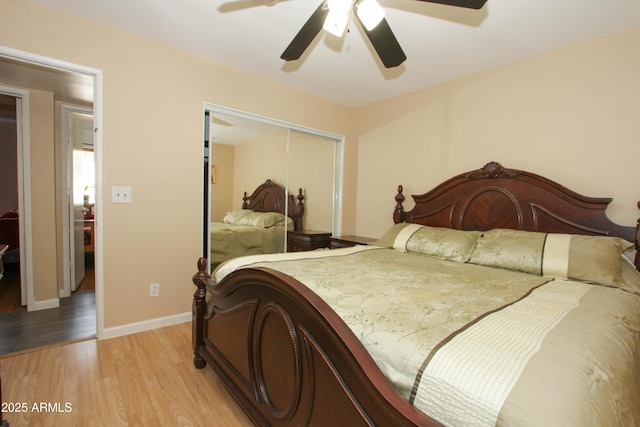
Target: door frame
68,249
97,75
23,126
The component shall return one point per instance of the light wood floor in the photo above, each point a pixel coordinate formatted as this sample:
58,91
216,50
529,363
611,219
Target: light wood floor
145,379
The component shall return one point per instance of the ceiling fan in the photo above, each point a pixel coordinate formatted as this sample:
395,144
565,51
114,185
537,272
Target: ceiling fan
333,16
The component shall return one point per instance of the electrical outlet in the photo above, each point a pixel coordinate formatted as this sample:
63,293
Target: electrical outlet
120,194
154,290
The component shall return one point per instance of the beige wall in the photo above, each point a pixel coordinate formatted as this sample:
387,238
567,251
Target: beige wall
222,196
310,166
571,115
43,195
152,134
258,160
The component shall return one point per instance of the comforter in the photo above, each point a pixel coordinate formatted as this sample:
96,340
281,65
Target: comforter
231,240
475,345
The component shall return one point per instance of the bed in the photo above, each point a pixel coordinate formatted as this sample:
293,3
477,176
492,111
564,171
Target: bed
259,227
505,240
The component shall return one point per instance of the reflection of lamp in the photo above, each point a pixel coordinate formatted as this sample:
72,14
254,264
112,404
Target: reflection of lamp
370,13
338,16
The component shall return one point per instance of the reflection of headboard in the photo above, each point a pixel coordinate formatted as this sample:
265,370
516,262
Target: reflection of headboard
270,197
497,197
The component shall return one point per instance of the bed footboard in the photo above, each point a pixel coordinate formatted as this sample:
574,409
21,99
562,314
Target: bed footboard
198,309
286,356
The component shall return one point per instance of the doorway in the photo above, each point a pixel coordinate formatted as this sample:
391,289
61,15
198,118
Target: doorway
17,289
12,296
78,196
74,317
86,83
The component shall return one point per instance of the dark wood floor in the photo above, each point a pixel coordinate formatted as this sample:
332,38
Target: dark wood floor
20,330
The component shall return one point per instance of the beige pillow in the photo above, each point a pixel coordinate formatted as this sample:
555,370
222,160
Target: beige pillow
268,219
511,249
588,258
235,217
387,239
568,256
249,218
438,242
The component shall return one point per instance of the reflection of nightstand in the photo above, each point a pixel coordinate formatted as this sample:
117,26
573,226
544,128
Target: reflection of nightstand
307,240
347,241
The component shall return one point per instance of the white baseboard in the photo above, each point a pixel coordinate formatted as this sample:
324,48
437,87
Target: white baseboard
43,305
146,325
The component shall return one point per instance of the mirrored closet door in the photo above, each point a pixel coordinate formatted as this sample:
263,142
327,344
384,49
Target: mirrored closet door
246,150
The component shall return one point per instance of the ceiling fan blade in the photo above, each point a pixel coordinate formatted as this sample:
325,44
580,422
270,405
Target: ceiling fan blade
307,33
471,4
386,44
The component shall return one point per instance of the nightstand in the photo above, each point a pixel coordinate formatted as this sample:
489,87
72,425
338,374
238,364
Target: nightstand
307,240
347,241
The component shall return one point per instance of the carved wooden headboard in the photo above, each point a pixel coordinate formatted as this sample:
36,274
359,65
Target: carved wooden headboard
497,197
270,197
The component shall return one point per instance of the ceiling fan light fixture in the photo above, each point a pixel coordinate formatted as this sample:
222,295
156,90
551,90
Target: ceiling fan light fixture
370,13
338,16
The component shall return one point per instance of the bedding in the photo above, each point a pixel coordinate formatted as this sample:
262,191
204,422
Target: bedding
257,219
245,232
474,338
590,258
259,227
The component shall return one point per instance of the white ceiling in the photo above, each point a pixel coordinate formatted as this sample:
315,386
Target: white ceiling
233,130
441,42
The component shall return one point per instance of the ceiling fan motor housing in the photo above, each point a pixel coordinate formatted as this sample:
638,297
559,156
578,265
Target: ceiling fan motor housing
333,16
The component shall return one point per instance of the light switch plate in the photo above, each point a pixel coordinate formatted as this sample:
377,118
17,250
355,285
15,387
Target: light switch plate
120,194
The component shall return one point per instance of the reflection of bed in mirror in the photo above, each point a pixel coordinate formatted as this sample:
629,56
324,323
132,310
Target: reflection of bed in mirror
501,298
257,228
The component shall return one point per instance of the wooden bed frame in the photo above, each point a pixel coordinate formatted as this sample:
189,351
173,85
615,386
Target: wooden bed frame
289,360
271,197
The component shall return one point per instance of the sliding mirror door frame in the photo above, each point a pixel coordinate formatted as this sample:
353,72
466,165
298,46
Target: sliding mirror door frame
337,140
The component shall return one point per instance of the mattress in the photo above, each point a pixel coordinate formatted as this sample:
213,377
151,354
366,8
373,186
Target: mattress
475,345
231,240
